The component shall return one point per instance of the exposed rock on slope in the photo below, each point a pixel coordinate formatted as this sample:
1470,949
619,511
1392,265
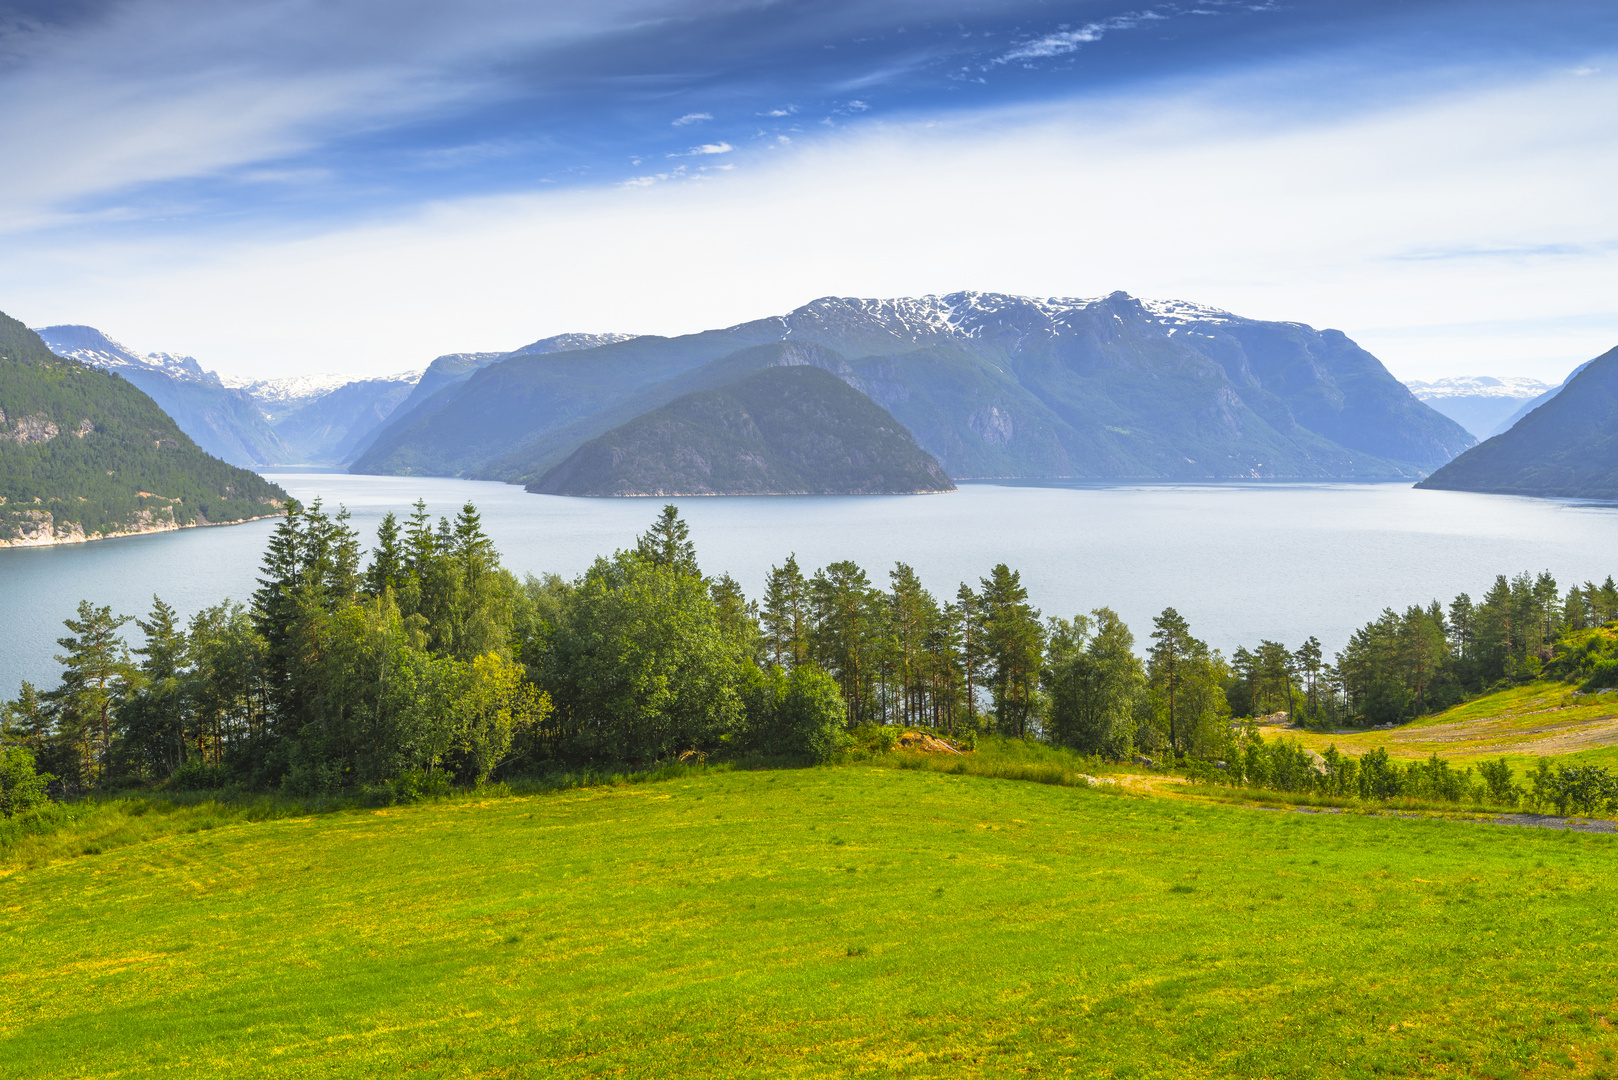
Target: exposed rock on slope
1566,447
782,431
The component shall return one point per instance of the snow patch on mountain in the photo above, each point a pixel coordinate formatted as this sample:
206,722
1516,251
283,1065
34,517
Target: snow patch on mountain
90,346
1487,386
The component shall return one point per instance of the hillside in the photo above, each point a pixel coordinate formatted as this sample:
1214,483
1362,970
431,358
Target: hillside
990,385
1566,447
84,453
222,420
794,430
803,922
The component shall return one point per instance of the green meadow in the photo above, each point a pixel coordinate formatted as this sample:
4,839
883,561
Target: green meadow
848,920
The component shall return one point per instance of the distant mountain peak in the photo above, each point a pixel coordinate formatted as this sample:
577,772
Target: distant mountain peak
90,346
569,343
1519,389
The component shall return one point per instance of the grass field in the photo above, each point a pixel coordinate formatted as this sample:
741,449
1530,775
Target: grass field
830,921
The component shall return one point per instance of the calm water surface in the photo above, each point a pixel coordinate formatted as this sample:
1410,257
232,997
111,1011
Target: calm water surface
1240,561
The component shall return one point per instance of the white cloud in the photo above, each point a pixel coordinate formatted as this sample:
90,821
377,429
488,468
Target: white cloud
692,118
706,148
1336,224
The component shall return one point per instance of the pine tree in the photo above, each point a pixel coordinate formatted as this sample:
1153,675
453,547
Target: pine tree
668,543
1013,642
387,558
785,615
1171,650
95,677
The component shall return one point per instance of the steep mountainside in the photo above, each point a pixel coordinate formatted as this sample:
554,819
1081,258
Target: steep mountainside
1533,403
782,431
84,453
221,420
1566,447
1479,403
991,385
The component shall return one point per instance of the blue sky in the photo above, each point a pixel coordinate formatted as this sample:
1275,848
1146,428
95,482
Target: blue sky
307,185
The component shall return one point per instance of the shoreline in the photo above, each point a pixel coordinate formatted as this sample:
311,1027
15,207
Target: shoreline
80,537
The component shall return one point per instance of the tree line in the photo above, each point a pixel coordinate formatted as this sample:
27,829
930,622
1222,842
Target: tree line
423,662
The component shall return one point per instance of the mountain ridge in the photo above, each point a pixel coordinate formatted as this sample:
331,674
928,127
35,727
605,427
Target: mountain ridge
993,385
1566,447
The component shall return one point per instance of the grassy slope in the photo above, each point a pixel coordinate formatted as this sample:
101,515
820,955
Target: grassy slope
1544,719
814,922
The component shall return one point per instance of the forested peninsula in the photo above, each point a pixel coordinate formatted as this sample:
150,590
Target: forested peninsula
85,455
428,664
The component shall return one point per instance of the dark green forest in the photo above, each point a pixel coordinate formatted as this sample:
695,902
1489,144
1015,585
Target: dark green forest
83,447
424,663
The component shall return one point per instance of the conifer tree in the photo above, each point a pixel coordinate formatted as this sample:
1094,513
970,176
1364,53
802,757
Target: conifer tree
95,676
387,558
785,615
1169,656
668,543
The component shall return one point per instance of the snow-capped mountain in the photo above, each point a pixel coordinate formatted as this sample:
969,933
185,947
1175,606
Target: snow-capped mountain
280,398
1517,389
88,345
1478,403
566,343
992,384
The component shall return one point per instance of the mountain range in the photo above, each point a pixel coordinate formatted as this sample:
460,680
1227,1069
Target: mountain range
85,453
1566,447
1482,404
991,385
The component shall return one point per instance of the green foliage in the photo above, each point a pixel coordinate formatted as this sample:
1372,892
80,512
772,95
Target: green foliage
1096,683
640,666
22,788
97,454
797,714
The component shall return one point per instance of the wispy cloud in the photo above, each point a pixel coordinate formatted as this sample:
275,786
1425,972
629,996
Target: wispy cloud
1066,41
692,118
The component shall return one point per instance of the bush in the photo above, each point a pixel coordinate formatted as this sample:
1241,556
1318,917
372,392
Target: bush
198,776
22,788
1578,789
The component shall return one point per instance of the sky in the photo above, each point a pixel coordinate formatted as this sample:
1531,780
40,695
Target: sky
295,186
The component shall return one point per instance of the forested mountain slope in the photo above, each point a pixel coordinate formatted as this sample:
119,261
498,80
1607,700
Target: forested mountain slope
991,385
84,453
223,421
1566,447
794,430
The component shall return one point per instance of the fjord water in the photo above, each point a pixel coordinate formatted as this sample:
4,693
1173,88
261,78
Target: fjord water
1242,561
